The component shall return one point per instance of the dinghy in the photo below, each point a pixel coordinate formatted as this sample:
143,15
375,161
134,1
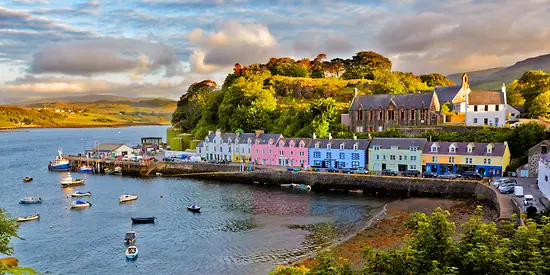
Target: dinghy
130,237
127,198
86,169
28,218
27,179
81,194
68,181
30,200
194,208
131,252
143,220
301,186
78,204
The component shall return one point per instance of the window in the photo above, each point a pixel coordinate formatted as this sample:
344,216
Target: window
486,108
249,150
360,115
355,147
292,153
380,115
422,114
469,149
230,150
329,146
242,150
392,157
301,154
221,149
263,151
377,156
488,161
371,115
342,146
317,163
270,151
354,164
280,162
355,156
359,129
316,154
451,159
546,178
301,145
484,161
342,156
475,120
329,155
489,150
343,164
316,145
413,149
301,161
434,159
413,158
391,115
496,120
402,115
376,147
475,108
405,157
281,153
543,149
412,167
400,157
384,157
434,148
413,111
497,107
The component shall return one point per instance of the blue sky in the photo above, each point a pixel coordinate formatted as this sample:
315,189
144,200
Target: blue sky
53,48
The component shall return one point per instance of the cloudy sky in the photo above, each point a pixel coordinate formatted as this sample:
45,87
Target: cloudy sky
53,48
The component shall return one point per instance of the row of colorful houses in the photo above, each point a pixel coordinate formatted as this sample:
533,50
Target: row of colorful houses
397,154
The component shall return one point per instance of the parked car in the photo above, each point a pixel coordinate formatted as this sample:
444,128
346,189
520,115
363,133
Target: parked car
388,172
506,188
497,183
346,170
448,175
332,170
361,171
472,175
411,173
528,199
428,174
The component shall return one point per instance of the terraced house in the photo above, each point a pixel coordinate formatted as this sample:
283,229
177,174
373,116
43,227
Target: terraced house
338,153
241,147
293,152
264,148
397,154
457,157
216,146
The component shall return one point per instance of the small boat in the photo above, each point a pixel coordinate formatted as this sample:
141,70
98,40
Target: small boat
116,171
28,218
80,204
30,200
127,198
130,237
286,185
143,220
60,163
81,194
158,174
301,186
27,179
86,169
68,181
131,252
194,208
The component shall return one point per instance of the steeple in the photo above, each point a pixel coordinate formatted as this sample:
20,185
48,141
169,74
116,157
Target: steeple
465,84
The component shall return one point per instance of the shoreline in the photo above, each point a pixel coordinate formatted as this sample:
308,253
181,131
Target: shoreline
15,128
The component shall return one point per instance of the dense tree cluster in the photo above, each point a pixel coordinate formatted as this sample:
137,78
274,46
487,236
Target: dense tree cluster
532,91
435,79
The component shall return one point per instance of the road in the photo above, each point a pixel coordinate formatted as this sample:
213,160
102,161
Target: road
530,187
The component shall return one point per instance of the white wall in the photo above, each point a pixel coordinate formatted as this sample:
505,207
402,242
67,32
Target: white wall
544,178
481,115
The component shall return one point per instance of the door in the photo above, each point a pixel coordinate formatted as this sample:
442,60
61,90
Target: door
324,164
383,166
402,167
485,121
336,164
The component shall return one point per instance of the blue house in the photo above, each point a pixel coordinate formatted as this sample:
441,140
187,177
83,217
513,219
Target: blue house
338,153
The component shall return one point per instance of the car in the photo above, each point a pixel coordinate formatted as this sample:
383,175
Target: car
388,172
497,183
528,200
361,171
332,170
506,188
472,175
346,170
428,174
448,175
411,173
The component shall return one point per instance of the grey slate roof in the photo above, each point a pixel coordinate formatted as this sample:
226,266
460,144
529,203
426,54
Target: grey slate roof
402,143
211,136
243,138
480,149
227,136
307,141
201,144
384,100
447,93
109,146
264,138
362,144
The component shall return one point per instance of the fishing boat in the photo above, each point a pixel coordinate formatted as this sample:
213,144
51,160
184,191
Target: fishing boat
194,208
301,186
30,200
27,179
60,163
68,181
86,169
116,171
78,204
81,194
131,252
28,218
130,237
143,220
127,198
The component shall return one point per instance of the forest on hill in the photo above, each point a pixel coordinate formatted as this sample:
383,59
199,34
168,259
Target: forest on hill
293,97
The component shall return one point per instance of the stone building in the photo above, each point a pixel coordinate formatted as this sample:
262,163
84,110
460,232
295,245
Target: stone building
535,153
376,113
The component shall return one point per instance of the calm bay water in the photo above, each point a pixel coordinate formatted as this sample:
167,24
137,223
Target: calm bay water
242,229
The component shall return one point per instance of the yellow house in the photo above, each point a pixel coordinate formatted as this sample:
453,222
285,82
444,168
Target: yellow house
489,159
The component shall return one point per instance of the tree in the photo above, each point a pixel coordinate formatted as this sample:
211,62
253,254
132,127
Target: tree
188,111
435,79
364,64
525,136
397,83
530,85
541,105
513,95
8,230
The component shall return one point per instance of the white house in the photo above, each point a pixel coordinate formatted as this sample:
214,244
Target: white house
544,175
486,108
216,146
456,94
114,149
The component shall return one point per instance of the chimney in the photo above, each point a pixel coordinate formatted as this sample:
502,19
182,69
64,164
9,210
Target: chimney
210,132
314,136
329,136
354,137
355,92
258,133
504,93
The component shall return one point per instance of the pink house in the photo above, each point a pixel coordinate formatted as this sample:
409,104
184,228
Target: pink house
264,148
292,152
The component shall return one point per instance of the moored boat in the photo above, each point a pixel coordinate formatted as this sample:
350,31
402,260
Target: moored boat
127,198
30,200
130,237
81,194
28,218
194,208
27,179
143,220
301,186
116,171
131,252
60,163
86,169
68,181
80,204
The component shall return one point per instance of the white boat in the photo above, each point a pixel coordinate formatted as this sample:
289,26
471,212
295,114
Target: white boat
68,181
126,198
301,186
131,252
81,194
28,218
80,204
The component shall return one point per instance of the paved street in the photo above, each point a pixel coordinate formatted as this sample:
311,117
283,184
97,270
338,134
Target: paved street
530,187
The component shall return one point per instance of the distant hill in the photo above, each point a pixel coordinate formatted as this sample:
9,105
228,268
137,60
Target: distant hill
492,79
95,98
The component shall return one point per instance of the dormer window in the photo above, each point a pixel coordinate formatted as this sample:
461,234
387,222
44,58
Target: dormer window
317,145
281,144
434,148
489,150
301,144
342,146
452,148
329,146
413,149
355,146
376,147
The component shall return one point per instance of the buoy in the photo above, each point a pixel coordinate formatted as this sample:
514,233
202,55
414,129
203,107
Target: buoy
161,196
51,227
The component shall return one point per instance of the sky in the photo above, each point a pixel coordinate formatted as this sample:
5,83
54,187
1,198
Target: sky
157,48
